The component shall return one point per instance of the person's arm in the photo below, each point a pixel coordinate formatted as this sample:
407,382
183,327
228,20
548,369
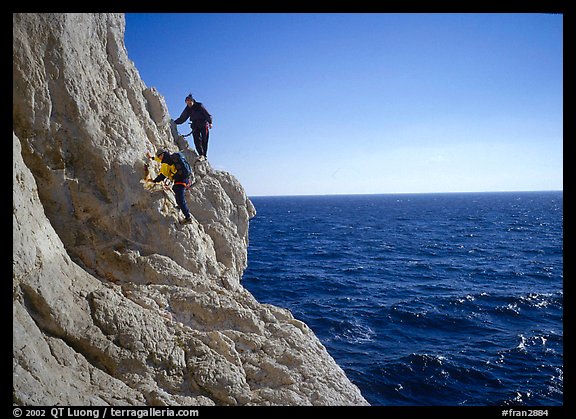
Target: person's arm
183,116
159,178
167,171
206,113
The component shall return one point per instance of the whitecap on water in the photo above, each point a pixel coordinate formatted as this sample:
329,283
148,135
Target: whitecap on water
522,345
356,333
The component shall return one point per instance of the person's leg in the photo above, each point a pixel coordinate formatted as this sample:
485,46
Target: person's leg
205,141
181,200
197,134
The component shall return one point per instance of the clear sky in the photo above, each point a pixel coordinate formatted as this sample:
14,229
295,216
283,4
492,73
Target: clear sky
366,103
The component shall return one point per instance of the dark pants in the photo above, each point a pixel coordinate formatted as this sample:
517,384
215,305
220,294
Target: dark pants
201,134
179,191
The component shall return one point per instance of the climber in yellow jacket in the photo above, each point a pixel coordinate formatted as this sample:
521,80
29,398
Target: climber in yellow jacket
176,168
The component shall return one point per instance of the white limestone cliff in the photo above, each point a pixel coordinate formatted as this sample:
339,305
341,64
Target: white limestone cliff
114,302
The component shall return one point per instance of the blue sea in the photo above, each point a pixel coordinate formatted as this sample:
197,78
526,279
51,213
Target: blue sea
423,299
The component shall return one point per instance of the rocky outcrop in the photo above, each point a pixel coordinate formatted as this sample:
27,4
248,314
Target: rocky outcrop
115,302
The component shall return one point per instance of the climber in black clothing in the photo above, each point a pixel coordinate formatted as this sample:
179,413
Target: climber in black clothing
201,123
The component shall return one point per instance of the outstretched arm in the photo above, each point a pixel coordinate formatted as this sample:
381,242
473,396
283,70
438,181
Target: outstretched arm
183,116
159,178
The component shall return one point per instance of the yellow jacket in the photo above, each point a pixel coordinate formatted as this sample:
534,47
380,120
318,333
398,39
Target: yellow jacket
168,170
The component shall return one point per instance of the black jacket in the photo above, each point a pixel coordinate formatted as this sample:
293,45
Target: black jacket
197,114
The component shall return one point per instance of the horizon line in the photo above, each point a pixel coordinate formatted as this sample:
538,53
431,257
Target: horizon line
404,193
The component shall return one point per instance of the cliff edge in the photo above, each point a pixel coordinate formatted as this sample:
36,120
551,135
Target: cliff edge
114,302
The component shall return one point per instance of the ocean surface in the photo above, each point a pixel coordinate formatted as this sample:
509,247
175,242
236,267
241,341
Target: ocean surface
423,299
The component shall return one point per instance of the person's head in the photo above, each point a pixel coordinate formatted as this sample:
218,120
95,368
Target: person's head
160,154
189,100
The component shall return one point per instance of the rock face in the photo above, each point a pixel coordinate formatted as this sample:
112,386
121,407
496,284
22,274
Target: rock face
114,302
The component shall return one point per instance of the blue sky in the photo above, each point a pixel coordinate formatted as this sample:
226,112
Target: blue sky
366,103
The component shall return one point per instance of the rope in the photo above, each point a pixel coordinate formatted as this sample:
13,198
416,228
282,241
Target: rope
190,133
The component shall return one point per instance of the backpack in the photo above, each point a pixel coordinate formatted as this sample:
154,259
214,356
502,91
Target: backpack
186,169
